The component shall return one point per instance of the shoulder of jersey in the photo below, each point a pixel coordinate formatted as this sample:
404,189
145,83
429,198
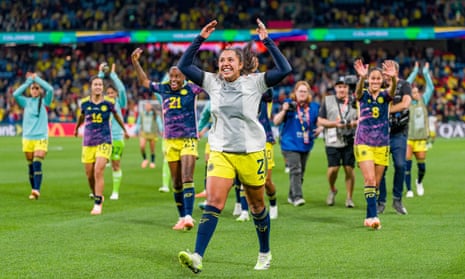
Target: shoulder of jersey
108,99
85,99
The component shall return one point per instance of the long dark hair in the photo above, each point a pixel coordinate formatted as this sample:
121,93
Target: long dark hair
39,105
249,61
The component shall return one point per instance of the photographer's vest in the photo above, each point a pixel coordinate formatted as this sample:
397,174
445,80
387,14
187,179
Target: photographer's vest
333,136
148,122
418,128
398,121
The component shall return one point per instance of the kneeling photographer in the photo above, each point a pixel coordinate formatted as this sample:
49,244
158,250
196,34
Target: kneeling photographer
338,116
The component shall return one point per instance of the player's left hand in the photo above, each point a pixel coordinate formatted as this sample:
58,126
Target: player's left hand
261,30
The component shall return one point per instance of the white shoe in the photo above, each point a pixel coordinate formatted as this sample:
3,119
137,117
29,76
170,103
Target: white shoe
263,261
243,217
420,189
164,189
409,194
286,170
114,196
237,209
274,212
299,202
193,261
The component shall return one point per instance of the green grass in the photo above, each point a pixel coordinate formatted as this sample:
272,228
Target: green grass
56,237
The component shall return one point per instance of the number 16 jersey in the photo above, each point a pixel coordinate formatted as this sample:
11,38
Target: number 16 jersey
97,128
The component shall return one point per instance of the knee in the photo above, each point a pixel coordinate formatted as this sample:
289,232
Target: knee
256,203
295,171
370,181
215,201
400,165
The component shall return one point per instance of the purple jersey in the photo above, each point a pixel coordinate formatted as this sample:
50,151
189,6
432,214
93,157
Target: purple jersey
373,125
97,128
179,113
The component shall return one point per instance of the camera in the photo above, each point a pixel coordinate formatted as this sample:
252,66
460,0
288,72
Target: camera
399,120
292,106
344,122
351,81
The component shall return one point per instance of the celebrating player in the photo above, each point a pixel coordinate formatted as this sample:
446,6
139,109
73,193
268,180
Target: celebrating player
35,126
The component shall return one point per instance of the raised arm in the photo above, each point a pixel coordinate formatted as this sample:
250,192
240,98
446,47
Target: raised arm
389,69
362,72
143,80
429,84
283,68
122,96
413,74
186,63
18,93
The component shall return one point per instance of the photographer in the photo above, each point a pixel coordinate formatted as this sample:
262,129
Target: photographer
338,116
298,117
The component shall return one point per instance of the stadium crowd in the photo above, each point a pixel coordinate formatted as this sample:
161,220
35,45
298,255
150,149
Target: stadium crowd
67,68
49,15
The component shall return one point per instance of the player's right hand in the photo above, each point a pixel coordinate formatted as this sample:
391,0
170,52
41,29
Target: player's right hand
208,29
136,54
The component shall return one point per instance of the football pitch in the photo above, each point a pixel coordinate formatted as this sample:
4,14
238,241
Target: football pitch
56,237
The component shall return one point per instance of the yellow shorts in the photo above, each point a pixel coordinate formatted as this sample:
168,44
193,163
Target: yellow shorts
175,148
148,136
33,145
417,145
90,153
250,168
378,154
269,155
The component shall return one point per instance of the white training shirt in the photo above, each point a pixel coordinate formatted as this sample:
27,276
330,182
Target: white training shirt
234,112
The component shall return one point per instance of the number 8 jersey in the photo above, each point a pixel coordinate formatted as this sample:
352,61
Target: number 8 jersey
97,128
373,125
